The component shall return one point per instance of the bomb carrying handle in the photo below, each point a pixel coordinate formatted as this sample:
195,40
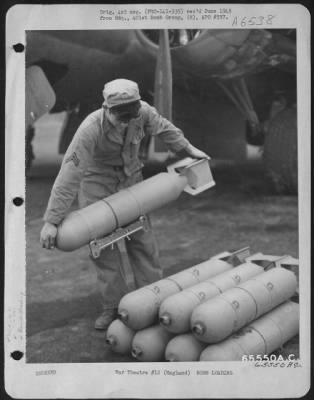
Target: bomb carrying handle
198,178
97,245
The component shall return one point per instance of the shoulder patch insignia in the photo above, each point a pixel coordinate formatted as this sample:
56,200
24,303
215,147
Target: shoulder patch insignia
73,157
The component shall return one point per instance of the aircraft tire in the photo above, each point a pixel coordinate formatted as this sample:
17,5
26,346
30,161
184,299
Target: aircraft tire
280,152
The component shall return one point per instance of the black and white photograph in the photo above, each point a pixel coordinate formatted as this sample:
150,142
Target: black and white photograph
161,200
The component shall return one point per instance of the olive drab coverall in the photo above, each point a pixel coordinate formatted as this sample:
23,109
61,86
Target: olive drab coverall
98,163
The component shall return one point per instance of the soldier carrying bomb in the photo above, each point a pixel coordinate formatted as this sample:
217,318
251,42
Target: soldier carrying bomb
102,159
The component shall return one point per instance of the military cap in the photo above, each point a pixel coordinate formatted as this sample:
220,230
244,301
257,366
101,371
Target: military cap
120,91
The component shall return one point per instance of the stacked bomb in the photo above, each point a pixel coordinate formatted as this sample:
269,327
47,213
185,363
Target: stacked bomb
137,330
216,323
206,304
261,337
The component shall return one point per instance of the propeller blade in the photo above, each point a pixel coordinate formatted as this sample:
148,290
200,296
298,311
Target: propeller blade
163,77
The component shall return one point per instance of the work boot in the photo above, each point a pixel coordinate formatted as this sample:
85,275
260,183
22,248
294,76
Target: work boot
105,319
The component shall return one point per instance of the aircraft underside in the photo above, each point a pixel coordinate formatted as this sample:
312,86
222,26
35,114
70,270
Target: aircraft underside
229,88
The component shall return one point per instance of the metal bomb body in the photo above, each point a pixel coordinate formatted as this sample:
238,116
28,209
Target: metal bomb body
261,337
184,347
139,309
105,216
217,318
119,337
175,311
149,344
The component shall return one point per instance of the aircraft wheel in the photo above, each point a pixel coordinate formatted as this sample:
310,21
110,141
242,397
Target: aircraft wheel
29,154
280,152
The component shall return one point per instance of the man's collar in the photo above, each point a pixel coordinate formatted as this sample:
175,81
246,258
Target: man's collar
105,123
109,130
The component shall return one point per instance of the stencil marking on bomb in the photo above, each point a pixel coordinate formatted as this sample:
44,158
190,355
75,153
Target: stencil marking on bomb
139,309
219,317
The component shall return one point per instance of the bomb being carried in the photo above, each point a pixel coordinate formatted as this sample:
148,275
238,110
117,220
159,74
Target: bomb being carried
120,209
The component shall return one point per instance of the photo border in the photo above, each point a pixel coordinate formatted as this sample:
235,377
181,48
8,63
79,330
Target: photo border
20,377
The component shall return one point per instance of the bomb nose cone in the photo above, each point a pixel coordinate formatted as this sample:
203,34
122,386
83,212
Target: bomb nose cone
111,341
198,328
136,352
165,319
123,315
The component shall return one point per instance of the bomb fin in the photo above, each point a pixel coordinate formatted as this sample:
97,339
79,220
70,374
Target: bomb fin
197,172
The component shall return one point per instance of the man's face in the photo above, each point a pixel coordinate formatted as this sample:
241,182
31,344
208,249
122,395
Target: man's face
115,119
120,116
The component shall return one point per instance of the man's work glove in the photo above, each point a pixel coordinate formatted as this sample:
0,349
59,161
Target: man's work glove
48,236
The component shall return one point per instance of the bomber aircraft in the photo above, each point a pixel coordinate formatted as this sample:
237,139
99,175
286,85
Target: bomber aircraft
224,88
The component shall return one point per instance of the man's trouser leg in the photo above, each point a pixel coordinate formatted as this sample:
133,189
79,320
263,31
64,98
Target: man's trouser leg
110,281
142,248
144,256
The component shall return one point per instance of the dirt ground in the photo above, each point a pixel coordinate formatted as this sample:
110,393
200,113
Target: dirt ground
62,297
